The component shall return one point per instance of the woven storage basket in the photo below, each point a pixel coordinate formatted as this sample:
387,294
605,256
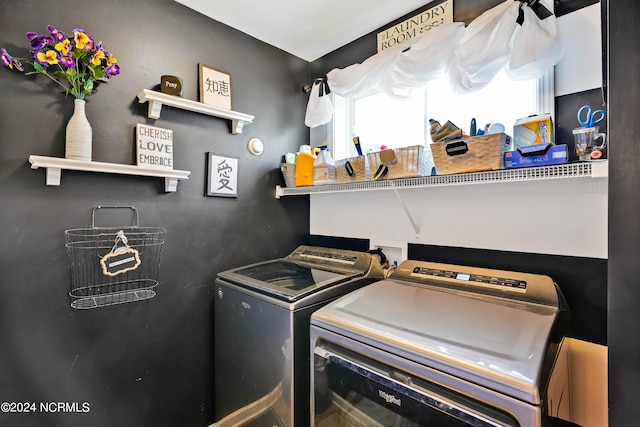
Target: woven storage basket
289,174
401,162
359,167
471,154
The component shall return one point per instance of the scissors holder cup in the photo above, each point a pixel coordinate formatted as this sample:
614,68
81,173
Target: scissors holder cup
586,143
113,265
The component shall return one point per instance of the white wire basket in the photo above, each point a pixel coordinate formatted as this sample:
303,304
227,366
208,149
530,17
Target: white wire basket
113,265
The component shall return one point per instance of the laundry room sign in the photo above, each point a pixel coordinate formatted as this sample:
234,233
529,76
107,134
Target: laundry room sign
405,32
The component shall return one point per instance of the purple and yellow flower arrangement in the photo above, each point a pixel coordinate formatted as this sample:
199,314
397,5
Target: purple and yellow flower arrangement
78,59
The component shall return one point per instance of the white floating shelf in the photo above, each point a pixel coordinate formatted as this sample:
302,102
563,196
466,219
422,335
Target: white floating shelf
597,169
158,99
55,165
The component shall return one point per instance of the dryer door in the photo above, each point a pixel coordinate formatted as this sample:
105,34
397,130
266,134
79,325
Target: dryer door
352,390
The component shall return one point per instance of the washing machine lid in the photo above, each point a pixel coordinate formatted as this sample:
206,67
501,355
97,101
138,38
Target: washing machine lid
486,336
305,271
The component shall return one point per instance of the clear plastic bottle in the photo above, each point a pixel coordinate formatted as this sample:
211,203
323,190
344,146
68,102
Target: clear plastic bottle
324,169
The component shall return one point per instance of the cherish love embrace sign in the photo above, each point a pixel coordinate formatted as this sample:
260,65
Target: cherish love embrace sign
154,147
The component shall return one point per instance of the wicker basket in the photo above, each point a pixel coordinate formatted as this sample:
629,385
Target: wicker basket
401,162
471,154
358,166
289,174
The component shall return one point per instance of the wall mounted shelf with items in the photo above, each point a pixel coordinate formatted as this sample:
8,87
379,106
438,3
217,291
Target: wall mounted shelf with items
55,165
569,170
158,99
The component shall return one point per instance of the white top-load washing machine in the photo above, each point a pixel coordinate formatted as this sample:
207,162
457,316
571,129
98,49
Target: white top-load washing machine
261,331
438,345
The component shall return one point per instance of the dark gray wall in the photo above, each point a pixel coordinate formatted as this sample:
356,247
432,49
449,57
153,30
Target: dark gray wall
148,363
624,212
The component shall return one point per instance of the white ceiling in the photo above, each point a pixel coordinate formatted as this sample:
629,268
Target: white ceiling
307,29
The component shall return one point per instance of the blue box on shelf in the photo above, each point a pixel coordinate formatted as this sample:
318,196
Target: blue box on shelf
536,155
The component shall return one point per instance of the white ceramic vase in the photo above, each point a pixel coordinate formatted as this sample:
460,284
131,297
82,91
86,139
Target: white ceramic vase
78,136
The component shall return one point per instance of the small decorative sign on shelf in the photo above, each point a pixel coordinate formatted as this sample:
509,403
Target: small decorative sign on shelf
215,87
171,85
154,147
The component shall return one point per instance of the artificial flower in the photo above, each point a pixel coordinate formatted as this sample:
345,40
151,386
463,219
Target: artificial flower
82,39
74,62
111,70
48,57
64,46
57,35
67,61
97,58
39,42
10,62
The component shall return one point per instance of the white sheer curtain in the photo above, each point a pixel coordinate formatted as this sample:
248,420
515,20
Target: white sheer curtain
521,35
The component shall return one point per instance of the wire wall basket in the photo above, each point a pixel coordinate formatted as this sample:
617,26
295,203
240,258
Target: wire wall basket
113,265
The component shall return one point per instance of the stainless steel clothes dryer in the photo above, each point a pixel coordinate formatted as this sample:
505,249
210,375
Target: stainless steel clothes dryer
261,327
438,345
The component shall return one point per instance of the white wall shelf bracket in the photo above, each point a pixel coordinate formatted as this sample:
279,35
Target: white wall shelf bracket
53,176
157,99
415,226
55,165
237,126
155,107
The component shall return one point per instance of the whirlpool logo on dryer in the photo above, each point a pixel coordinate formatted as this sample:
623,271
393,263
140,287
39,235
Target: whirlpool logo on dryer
389,398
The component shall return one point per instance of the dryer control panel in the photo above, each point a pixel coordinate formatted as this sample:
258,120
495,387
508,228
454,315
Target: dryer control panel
534,288
484,280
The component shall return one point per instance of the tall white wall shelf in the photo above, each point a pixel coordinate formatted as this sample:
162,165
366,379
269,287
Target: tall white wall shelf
55,165
157,99
570,170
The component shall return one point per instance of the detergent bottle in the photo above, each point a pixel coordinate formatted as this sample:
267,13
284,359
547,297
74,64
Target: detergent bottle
304,167
324,169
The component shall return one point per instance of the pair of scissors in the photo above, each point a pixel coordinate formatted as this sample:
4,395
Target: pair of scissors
592,117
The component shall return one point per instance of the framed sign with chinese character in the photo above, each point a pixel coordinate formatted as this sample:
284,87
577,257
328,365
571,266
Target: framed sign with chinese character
222,176
215,86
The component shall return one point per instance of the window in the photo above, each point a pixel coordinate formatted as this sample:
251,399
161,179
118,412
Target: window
379,120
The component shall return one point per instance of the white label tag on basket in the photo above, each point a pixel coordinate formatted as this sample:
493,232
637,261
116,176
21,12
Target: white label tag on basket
121,261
